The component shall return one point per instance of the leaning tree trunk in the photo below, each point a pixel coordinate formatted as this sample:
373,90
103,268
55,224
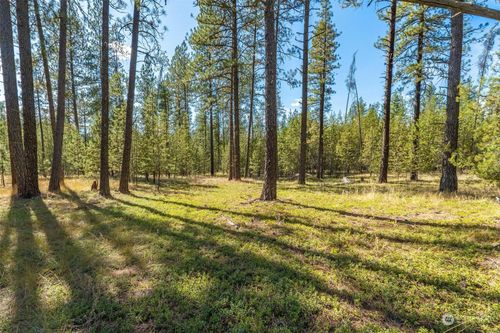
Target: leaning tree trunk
17,161
104,169
269,190
303,126
384,167
236,92
46,70
55,174
449,182
252,95
418,94
28,98
127,147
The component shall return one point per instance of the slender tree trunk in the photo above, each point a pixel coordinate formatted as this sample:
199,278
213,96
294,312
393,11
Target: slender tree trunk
319,171
55,174
347,103
46,70
28,98
212,155
73,86
360,128
231,132
269,190
236,93
418,93
104,189
42,136
17,158
252,95
305,76
127,148
449,181
384,166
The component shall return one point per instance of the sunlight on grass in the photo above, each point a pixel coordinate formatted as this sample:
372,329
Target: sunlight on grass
200,255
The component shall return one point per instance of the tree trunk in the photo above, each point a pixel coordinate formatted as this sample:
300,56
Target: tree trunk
360,128
73,86
42,136
127,148
305,66
236,92
104,189
17,159
55,174
212,155
231,132
449,182
271,160
252,95
46,70
384,167
418,93
28,99
319,171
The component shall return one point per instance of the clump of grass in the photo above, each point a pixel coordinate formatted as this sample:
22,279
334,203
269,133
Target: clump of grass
201,256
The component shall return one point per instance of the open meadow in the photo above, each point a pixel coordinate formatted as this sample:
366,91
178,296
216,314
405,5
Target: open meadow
201,255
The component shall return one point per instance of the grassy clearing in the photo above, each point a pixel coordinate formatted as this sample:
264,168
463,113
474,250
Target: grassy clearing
200,256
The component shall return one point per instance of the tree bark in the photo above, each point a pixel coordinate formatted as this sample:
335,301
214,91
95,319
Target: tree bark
73,86
449,181
319,170
211,120
231,132
418,94
28,99
269,190
384,167
252,96
17,159
55,174
42,136
463,7
104,189
236,92
46,70
127,147
305,67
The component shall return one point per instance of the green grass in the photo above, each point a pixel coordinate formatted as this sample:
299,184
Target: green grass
201,256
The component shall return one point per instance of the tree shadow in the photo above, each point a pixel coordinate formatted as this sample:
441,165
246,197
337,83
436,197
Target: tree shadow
78,268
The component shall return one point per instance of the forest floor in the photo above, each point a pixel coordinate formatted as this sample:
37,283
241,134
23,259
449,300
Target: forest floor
202,256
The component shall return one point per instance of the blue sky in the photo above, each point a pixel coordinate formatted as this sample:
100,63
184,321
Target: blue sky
360,29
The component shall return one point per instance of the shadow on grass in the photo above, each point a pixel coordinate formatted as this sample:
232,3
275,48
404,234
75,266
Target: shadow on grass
88,306
234,300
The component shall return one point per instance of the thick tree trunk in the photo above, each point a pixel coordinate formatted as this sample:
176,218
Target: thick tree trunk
303,126
269,190
418,93
17,159
46,70
449,182
384,167
236,92
127,148
104,189
319,171
55,174
252,95
28,98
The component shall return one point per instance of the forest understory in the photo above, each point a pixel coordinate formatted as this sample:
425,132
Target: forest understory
202,255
